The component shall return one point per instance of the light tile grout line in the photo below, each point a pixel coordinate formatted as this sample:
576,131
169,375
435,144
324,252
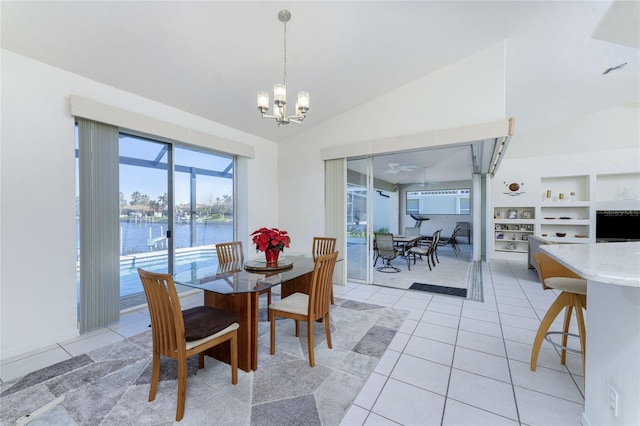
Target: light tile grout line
504,343
568,371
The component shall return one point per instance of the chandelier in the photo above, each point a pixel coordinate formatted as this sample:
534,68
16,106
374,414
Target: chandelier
280,91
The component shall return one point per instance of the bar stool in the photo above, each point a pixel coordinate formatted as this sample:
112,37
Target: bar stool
574,296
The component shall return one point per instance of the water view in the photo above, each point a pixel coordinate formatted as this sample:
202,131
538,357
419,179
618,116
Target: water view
143,245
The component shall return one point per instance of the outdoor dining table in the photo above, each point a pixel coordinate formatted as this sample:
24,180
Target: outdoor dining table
405,241
235,287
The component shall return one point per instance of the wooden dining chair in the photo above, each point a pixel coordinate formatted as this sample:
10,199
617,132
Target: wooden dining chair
308,307
179,334
322,246
232,253
554,275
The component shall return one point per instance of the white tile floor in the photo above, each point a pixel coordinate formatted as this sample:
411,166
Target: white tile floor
460,362
454,361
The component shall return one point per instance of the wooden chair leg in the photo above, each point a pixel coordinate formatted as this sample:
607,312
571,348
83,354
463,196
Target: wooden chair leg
272,322
333,302
269,298
312,360
565,335
327,330
556,307
297,328
201,360
233,342
182,388
155,376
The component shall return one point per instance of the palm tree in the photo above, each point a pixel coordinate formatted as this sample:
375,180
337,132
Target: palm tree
163,200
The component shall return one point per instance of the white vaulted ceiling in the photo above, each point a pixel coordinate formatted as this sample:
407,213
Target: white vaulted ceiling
210,58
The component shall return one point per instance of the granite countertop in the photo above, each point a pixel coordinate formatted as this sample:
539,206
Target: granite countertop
610,263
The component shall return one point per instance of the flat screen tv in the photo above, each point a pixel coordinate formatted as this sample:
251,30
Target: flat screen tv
439,201
617,225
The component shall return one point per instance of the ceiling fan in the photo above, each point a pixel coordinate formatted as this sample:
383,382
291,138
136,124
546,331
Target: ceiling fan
395,168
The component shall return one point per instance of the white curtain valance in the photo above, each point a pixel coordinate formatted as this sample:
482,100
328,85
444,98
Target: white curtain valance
434,138
96,111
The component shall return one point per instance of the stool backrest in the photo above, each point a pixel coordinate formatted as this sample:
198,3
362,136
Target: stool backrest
549,267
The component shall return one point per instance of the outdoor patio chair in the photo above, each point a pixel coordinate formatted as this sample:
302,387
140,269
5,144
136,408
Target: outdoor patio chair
386,251
427,249
451,241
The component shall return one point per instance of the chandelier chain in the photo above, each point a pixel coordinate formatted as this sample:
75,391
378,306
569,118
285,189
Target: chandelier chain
285,53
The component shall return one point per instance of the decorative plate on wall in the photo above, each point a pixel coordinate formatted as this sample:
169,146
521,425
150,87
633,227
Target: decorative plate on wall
514,188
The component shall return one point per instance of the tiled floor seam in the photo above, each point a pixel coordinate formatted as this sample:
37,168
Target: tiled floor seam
513,387
453,357
573,378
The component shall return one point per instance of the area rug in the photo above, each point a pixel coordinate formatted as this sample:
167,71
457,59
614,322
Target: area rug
450,291
110,386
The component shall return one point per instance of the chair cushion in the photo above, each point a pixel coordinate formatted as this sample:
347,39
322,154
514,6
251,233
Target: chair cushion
192,344
571,285
419,250
297,303
203,321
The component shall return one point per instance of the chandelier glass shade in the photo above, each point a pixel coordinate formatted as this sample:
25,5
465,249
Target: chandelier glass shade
280,91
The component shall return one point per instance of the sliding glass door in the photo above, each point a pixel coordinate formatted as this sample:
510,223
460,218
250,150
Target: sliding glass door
145,223
175,202
359,250
204,208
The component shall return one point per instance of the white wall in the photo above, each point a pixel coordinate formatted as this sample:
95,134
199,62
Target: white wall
604,143
446,222
467,92
612,315
607,130
385,211
37,178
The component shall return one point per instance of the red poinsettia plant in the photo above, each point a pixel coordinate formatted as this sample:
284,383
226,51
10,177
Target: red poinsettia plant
270,238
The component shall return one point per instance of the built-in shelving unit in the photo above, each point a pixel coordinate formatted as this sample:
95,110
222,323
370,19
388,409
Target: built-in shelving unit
565,210
620,191
512,226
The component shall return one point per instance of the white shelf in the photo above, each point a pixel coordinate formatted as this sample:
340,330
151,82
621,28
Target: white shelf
568,240
566,203
511,251
561,222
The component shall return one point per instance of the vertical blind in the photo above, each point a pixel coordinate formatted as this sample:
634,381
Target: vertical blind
99,236
335,211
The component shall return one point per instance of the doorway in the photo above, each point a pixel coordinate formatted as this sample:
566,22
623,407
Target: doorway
378,189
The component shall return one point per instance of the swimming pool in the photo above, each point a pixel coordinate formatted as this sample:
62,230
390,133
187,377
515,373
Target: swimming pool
186,259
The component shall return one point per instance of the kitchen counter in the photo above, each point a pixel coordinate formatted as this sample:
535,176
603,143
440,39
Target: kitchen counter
612,271
610,263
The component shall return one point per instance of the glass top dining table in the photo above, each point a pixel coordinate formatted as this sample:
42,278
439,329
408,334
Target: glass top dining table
236,287
251,276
